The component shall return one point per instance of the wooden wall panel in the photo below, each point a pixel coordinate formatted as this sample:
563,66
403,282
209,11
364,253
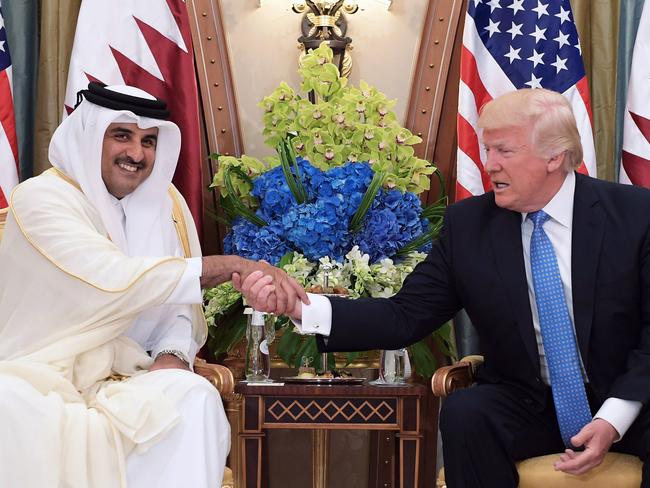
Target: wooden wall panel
434,91
220,119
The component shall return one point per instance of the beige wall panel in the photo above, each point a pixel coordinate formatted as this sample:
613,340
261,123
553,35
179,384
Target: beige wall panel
263,52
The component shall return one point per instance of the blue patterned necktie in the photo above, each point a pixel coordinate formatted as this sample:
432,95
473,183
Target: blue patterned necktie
569,395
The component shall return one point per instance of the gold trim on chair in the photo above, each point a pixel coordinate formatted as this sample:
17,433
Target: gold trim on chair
459,375
220,376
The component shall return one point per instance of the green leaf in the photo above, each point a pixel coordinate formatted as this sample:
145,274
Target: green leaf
241,210
443,188
443,338
366,201
287,160
420,241
235,203
309,349
286,259
436,210
288,344
227,333
423,359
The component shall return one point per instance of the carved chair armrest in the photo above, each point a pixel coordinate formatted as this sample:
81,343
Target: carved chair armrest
448,379
220,376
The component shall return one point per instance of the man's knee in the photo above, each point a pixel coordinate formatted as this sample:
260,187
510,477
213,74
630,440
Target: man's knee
461,411
199,391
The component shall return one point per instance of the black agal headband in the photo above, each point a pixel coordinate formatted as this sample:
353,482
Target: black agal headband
98,94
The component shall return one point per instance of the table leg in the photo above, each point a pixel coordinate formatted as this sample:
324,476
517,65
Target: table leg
382,459
410,442
409,460
320,441
253,439
253,461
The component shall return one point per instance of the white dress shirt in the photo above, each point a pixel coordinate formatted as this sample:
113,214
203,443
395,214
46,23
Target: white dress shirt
317,317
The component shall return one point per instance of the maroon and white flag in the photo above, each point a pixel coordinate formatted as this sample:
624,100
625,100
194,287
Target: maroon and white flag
8,141
147,44
635,158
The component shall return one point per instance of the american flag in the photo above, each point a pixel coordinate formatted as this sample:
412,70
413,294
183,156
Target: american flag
513,44
635,167
8,142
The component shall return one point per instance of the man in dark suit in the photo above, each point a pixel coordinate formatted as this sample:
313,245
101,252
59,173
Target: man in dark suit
580,266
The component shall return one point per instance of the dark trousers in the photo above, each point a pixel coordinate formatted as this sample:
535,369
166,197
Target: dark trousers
488,427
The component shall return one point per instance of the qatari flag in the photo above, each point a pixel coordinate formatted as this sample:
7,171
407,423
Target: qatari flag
635,160
146,44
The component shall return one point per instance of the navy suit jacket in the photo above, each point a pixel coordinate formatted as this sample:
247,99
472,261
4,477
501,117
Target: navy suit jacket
477,264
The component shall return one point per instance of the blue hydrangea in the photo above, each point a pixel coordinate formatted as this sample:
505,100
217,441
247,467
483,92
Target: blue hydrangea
250,241
347,183
319,227
391,223
316,229
272,191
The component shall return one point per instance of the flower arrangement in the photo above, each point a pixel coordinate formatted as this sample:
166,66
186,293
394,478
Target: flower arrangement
340,198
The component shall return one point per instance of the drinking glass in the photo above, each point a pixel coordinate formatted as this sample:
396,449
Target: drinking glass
394,367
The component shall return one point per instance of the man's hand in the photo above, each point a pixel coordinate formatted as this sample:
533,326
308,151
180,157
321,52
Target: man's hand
168,361
271,290
597,437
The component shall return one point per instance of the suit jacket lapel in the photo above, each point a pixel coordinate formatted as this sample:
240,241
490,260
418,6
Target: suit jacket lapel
587,238
505,230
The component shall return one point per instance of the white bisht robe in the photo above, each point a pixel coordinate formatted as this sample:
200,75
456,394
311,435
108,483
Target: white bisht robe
76,400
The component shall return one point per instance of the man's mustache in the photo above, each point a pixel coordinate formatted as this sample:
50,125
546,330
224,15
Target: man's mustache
128,160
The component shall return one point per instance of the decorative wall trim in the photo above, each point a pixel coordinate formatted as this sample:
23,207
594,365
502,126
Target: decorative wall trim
435,87
220,118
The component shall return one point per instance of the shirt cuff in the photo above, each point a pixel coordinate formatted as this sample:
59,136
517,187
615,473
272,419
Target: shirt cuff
620,413
178,337
316,317
188,289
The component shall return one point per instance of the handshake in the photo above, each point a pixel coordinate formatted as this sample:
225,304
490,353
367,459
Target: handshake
265,287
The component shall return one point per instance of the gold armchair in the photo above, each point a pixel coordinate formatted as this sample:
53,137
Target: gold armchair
619,470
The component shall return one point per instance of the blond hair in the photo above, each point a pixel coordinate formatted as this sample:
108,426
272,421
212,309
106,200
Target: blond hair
554,129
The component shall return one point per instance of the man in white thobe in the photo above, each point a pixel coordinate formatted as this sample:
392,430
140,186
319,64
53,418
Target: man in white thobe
100,311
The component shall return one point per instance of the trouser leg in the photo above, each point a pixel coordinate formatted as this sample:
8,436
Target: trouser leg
486,428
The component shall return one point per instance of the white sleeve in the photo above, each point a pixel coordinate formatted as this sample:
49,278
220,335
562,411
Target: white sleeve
175,333
316,317
620,413
188,290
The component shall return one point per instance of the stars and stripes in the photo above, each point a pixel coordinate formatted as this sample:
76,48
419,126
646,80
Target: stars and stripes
513,44
8,141
635,157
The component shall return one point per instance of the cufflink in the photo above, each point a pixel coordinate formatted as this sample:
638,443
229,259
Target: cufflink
316,326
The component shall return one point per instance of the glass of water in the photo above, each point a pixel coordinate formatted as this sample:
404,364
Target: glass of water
394,367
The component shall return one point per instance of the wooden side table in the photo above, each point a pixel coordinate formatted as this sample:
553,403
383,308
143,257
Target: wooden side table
395,413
